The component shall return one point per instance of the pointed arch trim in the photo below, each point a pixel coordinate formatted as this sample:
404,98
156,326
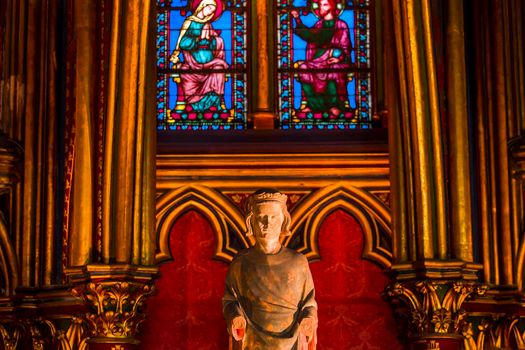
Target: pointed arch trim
8,260
220,212
372,215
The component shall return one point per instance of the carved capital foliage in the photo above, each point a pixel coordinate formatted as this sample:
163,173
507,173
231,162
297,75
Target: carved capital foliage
115,307
432,306
495,332
40,333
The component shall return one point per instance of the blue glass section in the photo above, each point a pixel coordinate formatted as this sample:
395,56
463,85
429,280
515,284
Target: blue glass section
300,3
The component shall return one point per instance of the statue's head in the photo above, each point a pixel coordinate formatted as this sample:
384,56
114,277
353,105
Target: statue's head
268,217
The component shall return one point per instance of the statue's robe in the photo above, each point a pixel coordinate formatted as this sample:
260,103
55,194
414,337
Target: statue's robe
274,293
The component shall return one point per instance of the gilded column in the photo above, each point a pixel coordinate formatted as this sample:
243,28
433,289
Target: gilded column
82,206
117,277
498,113
430,287
420,166
500,146
128,190
460,190
28,114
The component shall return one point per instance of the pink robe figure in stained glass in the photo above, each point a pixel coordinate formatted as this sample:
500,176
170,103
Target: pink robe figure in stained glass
328,52
203,51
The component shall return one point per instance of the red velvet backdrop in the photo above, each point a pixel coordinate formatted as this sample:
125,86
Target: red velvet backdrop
352,314
186,312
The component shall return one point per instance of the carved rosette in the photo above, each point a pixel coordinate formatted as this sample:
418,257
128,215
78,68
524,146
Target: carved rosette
115,307
433,307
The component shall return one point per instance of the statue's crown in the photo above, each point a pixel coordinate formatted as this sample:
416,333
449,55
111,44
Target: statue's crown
268,196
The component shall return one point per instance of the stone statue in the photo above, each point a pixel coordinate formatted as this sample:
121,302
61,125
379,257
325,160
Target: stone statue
269,299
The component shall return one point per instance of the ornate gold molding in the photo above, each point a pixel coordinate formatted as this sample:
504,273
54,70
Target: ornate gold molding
217,208
243,172
368,210
502,331
43,333
10,337
114,295
115,307
433,306
227,219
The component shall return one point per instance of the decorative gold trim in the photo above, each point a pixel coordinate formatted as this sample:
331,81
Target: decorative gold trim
10,338
8,260
436,269
370,212
115,308
285,170
434,306
218,209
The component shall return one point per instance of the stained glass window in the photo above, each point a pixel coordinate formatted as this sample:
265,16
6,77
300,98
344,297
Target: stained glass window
201,64
324,64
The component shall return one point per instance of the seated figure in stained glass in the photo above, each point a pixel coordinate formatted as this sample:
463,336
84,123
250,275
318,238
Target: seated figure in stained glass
324,80
203,51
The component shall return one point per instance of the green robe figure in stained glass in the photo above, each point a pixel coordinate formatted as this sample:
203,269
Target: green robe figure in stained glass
269,299
324,82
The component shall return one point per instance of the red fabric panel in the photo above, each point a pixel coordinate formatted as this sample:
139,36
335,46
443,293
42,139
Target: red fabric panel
352,314
186,313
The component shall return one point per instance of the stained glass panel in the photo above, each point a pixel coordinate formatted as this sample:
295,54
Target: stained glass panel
201,64
324,64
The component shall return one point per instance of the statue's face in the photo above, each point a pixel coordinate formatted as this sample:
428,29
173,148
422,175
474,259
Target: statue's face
267,221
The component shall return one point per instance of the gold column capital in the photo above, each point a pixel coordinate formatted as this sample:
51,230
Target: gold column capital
433,310
114,295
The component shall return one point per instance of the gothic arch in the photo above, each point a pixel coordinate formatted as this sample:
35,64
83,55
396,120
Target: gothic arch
368,210
220,212
8,262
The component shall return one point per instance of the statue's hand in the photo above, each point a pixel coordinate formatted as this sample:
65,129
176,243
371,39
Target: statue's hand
238,327
307,327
